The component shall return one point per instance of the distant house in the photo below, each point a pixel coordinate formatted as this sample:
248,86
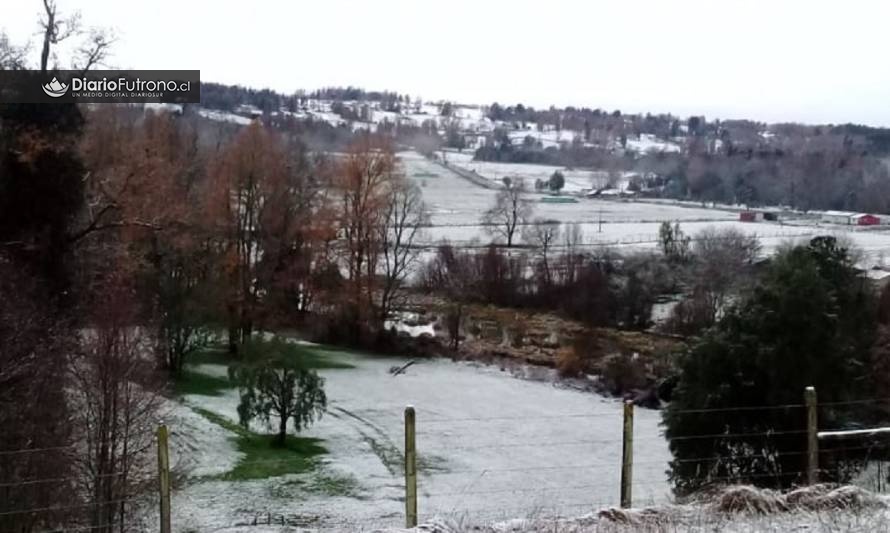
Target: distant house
864,219
838,217
750,216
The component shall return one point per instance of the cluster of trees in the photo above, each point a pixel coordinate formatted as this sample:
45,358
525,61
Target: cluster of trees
827,171
229,97
76,388
538,263
809,319
129,240
390,100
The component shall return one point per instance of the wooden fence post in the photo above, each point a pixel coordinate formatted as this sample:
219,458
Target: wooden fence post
164,478
809,396
627,455
410,470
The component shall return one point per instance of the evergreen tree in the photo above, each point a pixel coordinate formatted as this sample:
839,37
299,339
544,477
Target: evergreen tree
808,322
557,182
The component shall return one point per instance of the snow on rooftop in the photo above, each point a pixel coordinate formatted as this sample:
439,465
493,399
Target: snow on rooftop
163,108
650,143
223,116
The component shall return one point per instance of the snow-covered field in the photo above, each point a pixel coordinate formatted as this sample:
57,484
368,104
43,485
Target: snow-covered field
489,445
576,181
457,206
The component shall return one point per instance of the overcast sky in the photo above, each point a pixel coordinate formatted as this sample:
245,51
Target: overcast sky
777,60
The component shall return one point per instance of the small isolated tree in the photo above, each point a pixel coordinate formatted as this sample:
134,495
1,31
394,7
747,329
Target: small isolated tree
543,234
510,210
673,242
404,215
274,381
557,182
722,261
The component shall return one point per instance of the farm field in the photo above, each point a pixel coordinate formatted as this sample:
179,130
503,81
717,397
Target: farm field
575,180
491,445
457,205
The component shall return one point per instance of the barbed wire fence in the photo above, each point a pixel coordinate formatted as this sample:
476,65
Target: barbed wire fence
559,478
80,515
504,473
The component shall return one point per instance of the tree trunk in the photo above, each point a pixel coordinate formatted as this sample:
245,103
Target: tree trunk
233,340
282,431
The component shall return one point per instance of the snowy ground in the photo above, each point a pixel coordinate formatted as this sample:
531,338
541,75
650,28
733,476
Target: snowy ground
489,445
826,509
457,206
576,181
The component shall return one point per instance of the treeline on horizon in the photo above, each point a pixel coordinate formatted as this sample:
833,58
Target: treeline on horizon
664,125
743,162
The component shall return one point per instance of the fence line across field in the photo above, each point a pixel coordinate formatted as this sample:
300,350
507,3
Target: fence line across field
809,451
623,466
82,528
646,238
68,507
37,450
612,414
57,479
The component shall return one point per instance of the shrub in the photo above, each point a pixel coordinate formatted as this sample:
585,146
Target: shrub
622,373
569,363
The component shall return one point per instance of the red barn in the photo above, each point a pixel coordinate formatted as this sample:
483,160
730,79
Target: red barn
866,220
750,216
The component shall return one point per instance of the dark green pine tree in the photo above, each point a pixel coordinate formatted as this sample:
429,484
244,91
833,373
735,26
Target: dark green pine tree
809,321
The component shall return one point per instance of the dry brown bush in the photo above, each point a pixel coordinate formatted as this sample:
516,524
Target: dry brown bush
569,363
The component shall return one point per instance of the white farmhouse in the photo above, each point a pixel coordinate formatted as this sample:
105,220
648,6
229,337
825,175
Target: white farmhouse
838,217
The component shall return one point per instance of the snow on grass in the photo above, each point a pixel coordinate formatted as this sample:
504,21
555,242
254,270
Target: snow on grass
548,138
411,324
457,205
222,116
163,107
576,181
544,446
198,447
731,509
650,143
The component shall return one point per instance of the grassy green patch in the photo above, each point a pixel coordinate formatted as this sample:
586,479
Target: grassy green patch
424,175
262,458
214,354
317,357
325,483
191,382
322,358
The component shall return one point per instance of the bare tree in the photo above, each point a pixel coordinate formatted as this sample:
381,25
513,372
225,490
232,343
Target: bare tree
404,216
250,177
572,258
34,343
362,182
511,210
115,405
542,234
722,260
12,57
55,28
